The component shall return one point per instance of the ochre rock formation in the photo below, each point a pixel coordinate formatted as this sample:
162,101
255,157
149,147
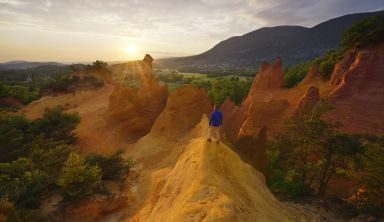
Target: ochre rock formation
309,100
259,105
184,109
271,114
342,67
253,150
233,118
359,96
133,111
312,74
269,77
189,179
261,110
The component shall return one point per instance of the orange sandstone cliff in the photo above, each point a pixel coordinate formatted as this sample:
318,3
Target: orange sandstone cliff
359,93
133,111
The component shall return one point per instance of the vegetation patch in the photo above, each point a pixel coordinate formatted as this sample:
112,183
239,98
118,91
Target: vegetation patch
313,151
38,159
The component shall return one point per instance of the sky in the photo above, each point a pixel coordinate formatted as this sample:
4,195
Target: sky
115,30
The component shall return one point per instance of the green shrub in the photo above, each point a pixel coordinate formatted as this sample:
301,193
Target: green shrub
14,133
61,83
327,62
17,133
112,166
21,183
202,84
229,87
49,156
93,81
21,92
369,198
281,181
364,33
98,64
57,125
78,180
312,151
295,74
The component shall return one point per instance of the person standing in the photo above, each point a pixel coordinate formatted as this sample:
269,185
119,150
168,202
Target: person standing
215,121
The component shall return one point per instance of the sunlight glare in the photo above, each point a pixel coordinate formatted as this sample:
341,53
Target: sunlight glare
131,50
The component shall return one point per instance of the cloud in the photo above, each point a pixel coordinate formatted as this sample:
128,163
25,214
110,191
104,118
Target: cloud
14,3
205,18
174,25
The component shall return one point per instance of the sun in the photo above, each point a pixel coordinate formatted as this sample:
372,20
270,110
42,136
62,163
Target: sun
131,50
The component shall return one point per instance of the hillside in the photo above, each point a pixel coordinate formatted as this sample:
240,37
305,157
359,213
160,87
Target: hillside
27,65
38,72
293,44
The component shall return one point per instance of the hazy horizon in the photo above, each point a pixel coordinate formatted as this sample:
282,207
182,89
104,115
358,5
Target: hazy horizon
117,30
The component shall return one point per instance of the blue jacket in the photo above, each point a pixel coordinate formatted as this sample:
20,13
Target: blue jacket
216,118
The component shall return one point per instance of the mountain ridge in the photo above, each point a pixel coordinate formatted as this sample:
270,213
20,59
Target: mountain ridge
21,64
294,44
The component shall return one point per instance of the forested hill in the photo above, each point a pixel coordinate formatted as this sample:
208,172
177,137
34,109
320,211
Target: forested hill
293,44
16,65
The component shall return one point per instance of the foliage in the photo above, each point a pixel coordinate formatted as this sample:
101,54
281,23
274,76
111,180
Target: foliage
37,75
14,133
172,77
8,212
28,85
369,198
281,180
235,89
6,209
31,156
49,155
38,161
246,73
93,81
205,84
364,33
57,125
18,136
98,64
295,74
61,83
218,71
219,89
79,180
21,92
21,183
313,151
113,166
3,90
327,62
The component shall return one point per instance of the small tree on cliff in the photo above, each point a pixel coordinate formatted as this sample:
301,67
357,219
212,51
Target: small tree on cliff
313,149
78,180
307,132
